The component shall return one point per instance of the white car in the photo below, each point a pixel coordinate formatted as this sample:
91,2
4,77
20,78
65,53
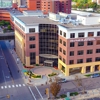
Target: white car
62,81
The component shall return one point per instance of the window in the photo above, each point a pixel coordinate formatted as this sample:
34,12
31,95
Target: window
80,34
64,34
80,52
60,57
64,43
72,44
79,61
32,46
71,62
31,30
89,60
60,49
98,33
72,35
90,34
32,38
60,32
63,60
90,43
89,51
98,42
71,53
64,52
80,43
60,41
97,59
97,50
32,58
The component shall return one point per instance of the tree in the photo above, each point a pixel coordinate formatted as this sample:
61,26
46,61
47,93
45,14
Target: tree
4,30
80,84
7,23
92,5
9,27
30,73
55,88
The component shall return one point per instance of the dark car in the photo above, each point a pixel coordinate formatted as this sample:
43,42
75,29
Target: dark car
95,75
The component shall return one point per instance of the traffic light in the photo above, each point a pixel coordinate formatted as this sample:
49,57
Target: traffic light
8,96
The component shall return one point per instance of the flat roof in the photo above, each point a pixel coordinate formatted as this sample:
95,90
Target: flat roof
34,20
33,11
31,20
89,15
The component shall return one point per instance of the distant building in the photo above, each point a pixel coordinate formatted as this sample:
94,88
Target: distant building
97,1
54,6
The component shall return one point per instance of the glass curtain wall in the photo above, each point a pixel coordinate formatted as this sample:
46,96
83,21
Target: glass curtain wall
48,40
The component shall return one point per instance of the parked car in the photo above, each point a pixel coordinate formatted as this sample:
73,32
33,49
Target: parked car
95,75
62,81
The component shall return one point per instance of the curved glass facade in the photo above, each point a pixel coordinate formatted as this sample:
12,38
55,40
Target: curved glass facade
48,39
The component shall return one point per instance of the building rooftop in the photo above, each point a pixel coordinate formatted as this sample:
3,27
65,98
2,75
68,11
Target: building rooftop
33,13
14,12
34,20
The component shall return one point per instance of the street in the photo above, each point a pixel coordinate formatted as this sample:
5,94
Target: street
11,82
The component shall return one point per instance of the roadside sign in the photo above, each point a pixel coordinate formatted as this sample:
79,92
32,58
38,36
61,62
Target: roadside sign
24,70
68,94
67,98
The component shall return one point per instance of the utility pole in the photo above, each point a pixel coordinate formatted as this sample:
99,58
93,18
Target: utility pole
47,92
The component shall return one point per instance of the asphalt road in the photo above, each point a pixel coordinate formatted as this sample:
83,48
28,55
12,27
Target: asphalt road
11,82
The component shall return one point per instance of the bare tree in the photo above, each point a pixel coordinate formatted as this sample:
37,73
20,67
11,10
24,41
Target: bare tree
80,84
55,88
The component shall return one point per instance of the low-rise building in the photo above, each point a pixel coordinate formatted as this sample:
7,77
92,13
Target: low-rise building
71,44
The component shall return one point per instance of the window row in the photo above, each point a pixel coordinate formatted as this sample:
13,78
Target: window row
81,52
82,34
64,52
31,46
81,60
64,43
64,34
72,44
31,30
31,38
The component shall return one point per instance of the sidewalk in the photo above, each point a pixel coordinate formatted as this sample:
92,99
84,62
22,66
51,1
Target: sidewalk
10,46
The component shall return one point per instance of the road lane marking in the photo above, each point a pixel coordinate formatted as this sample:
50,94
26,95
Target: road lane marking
23,84
16,85
1,87
39,92
9,86
32,93
19,85
13,86
5,87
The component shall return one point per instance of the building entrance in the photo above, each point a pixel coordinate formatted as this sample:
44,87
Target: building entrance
48,63
75,70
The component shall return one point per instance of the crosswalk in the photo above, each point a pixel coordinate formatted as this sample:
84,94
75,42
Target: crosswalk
12,86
